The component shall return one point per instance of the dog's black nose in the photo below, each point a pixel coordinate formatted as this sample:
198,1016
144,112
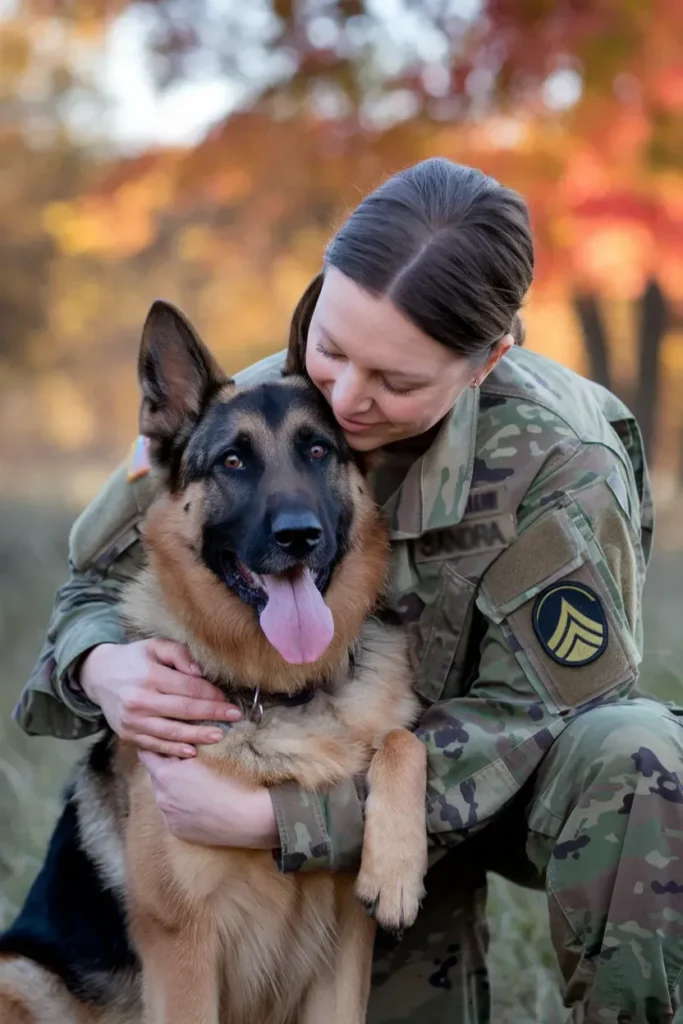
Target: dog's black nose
297,533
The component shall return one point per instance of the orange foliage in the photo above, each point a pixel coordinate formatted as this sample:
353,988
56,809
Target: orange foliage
233,228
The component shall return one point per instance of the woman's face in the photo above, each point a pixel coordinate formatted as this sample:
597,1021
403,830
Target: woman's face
384,378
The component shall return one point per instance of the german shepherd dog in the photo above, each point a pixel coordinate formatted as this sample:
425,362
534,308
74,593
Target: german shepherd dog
267,557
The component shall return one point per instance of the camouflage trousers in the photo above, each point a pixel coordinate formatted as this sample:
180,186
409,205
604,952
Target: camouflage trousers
600,826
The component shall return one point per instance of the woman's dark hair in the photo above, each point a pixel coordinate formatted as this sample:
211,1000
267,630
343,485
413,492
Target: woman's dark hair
450,246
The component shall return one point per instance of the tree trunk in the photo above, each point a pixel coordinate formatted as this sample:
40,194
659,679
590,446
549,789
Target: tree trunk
652,326
594,335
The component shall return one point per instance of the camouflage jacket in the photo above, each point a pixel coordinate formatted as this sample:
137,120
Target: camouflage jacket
520,540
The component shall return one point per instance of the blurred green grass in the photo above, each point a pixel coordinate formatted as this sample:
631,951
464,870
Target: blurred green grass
524,976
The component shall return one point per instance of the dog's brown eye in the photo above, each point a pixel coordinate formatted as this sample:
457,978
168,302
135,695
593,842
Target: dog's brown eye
233,461
317,451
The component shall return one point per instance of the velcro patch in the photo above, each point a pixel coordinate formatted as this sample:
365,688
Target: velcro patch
570,623
569,684
481,500
559,617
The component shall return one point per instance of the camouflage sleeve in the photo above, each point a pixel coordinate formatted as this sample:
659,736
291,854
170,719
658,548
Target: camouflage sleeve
319,832
104,551
562,631
578,527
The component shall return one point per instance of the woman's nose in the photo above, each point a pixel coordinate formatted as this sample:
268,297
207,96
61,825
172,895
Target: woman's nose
349,393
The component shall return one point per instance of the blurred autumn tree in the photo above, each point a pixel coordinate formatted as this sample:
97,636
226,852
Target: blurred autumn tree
576,104
38,163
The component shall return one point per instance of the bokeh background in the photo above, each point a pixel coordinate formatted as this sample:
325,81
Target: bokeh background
204,151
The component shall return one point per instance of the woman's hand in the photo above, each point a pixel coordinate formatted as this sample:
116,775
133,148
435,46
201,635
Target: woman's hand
200,806
149,689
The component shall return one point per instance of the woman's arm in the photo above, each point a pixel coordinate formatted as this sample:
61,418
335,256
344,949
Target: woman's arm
104,552
87,672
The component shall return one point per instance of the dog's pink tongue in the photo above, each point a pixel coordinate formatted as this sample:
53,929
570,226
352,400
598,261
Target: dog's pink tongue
296,620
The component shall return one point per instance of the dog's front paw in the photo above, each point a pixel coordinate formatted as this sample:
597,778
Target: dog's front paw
390,882
393,903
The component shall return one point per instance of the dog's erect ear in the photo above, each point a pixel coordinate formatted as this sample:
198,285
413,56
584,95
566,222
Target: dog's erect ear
177,373
298,331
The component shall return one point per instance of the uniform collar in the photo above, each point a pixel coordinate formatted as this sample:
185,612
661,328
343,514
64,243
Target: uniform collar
435,489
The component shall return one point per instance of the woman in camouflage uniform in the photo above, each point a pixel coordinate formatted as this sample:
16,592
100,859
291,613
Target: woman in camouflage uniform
521,528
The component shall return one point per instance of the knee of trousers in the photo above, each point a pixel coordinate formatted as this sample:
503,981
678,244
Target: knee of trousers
614,744
605,825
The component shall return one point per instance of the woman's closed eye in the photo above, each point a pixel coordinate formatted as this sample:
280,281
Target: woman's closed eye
385,385
319,347
402,387
393,390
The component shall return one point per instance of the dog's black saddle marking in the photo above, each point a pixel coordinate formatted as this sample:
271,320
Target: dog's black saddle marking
70,923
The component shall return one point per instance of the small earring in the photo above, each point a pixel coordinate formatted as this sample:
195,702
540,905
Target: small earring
475,384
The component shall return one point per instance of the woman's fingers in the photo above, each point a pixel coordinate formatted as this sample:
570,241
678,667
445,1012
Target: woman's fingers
169,731
157,746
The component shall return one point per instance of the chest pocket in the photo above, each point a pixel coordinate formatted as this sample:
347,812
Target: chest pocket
437,609
439,636
436,577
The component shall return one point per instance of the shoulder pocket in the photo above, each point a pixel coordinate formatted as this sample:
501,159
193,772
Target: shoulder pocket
559,616
109,524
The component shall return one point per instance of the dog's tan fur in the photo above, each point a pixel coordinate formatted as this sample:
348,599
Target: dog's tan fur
224,938
291,945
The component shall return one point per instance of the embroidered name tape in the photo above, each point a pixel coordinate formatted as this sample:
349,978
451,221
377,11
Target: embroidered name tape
465,538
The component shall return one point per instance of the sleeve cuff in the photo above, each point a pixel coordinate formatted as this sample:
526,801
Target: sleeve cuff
101,627
70,693
318,832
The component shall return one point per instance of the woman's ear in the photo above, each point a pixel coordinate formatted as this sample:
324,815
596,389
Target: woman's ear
298,331
500,349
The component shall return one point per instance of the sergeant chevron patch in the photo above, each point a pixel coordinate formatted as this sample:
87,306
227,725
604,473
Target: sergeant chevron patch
570,623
